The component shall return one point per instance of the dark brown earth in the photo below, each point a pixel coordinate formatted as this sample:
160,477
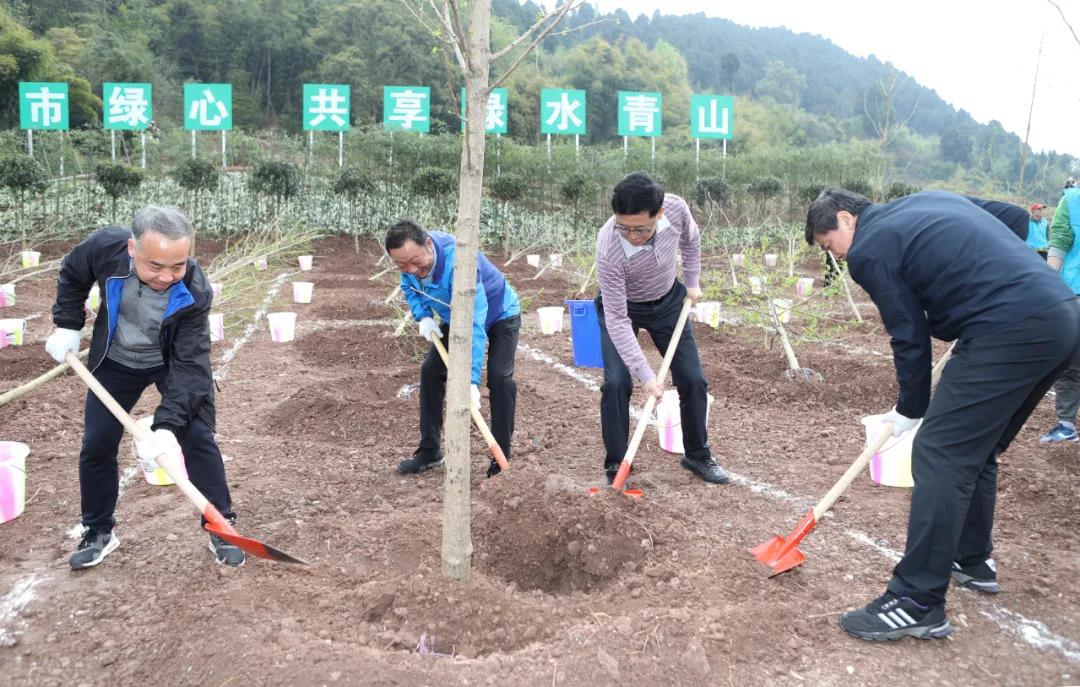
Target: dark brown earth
566,589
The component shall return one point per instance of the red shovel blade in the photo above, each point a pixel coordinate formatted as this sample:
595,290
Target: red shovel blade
782,554
632,493
254,547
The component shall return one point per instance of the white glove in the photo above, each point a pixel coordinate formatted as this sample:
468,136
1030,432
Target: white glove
163,441
901,424
428,327
474,394
61,342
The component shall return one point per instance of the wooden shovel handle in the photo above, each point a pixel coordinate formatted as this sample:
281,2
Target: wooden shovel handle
860,463
493,446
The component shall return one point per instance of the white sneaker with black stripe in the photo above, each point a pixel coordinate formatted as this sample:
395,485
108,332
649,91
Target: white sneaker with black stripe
890,617
982,576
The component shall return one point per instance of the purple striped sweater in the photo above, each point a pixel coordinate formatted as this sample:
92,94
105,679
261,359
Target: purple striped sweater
645,276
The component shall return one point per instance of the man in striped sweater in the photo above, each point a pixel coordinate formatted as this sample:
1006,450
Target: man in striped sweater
635,261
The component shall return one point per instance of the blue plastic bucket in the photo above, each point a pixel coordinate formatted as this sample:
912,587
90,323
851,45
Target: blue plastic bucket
585,333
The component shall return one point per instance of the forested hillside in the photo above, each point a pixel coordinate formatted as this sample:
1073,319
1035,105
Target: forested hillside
793,91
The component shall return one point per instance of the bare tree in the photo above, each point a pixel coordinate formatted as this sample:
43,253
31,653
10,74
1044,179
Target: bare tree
469,42
1031,113
885,121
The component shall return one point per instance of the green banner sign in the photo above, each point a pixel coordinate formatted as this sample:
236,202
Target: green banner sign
208,107
127,106
495,121
562,111
407,108
711,116
326,107
639,113
43,105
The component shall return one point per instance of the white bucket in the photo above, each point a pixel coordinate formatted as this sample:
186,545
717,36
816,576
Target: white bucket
154,473
738,259
533,260
755,285
7,295
891,465
215,286
556,259
93,301
669,421
31,258
282,326
12,479
783,309
301,291
13,331
805,286
305,263
261,264
551,319
770,259
708,312
217,327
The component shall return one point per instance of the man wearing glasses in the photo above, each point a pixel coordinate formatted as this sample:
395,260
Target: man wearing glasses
635,261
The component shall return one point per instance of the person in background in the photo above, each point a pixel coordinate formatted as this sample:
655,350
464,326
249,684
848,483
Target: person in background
1036,237
1064,258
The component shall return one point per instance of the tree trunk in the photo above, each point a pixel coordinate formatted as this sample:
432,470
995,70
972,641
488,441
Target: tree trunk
457,536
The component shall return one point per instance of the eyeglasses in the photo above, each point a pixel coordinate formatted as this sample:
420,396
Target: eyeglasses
638,231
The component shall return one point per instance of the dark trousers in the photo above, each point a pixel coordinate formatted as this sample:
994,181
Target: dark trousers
987,391
658,318
98,471
502,346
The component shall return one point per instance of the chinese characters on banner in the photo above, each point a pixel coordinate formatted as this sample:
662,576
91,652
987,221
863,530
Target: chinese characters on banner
407,108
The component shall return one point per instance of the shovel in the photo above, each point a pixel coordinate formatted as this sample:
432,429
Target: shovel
215,521
794,372
493,445
782,554
646,412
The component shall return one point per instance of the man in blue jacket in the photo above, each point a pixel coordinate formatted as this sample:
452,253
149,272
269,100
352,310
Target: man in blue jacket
936,265
426,262
152,328
1037,237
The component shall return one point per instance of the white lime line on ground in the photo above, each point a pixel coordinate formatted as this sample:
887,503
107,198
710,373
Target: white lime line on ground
22,592
223,365
1033,632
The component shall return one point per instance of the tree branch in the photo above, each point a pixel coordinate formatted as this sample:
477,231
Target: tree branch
1065,19
453,22
557,17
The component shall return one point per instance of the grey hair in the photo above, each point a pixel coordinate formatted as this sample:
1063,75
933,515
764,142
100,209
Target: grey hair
167,221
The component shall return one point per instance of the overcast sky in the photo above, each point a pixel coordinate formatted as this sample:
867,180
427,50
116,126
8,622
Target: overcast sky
979,55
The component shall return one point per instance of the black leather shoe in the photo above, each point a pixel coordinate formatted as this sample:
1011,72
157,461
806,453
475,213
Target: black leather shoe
420,462
707,470
493,469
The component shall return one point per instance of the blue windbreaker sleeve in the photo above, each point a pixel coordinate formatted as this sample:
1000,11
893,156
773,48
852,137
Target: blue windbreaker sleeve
416,304
479,325
906,323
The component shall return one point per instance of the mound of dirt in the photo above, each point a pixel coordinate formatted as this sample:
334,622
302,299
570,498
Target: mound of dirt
557,539
19,364
352,347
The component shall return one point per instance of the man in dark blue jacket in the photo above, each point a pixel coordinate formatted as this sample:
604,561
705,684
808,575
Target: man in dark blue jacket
426,261
936,265
152,328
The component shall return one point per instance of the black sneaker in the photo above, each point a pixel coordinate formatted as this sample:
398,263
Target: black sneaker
93,548
707,470
226,553
420,462
610,471
893,617
493,469
981,577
